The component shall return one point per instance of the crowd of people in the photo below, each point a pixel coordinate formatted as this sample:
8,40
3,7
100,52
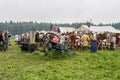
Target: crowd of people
83,41
78,40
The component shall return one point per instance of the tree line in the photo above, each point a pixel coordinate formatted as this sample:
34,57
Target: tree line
22,27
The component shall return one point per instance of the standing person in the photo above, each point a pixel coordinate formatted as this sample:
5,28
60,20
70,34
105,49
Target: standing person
93,44
85,39
57,29
6,39
16,38
72,40
50,26
113,43
1,41
37,39
119,40
41,35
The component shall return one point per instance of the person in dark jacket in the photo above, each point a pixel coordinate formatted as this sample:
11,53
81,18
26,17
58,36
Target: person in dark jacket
1,41
94,45
37,40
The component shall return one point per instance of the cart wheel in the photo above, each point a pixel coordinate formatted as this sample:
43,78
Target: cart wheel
47,48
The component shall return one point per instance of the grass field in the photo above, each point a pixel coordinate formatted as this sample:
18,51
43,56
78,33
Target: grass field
17,65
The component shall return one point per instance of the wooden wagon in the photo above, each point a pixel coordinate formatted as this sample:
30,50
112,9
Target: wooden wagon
53,45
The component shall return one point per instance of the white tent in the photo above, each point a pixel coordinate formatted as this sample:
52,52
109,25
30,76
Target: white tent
99,29
104,29
66,29
83,28
43,31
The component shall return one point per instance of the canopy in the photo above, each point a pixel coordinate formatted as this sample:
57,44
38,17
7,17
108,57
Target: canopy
98,29
104,29
66,29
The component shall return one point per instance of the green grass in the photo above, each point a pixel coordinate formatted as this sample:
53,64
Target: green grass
17,65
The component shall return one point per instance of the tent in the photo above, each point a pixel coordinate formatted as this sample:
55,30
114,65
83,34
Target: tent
66,29
100,29
104,29
83,28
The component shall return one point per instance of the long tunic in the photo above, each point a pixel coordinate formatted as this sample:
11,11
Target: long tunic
85,39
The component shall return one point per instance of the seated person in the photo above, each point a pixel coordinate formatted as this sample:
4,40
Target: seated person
25,43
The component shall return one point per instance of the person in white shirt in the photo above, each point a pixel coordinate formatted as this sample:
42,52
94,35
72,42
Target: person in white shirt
113,41
16,38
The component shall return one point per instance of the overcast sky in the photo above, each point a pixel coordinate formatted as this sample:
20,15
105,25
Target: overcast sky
60,11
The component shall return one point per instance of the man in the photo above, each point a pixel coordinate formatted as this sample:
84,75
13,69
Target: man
6,41
93,43
37,39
